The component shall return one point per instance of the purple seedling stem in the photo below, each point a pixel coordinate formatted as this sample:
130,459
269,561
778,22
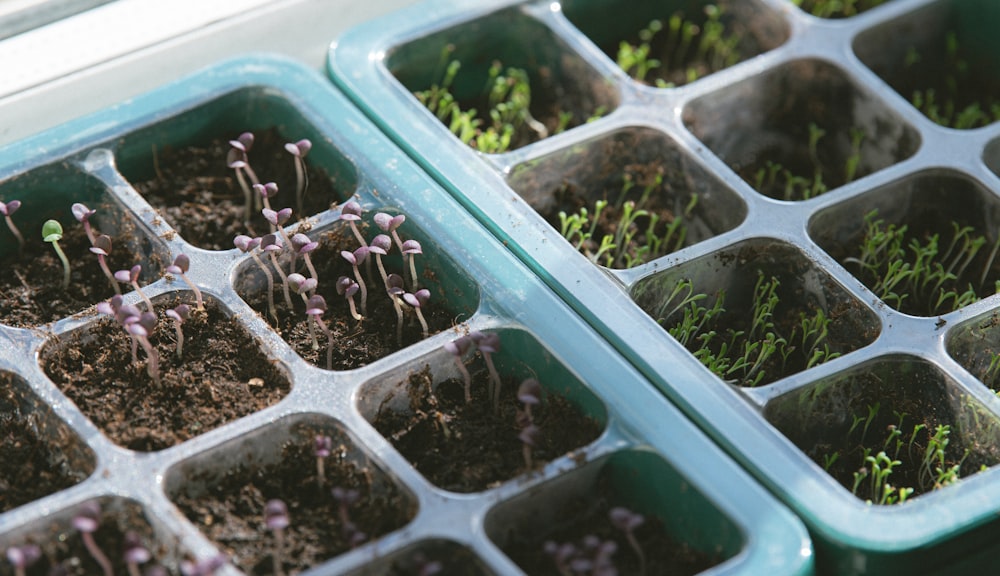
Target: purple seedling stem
238,160
303,287
8,209
52,232
458,348
131,276
417,301
388,223
276,519
141,330
355,258
248,244
82,213
206,567
322,448
303,245
380,247
346,497
102,248
529,437
394,287
298,150
529,393
180,267
277,221
22,557
315,308
410,250
347,287
270,244
135,553
627,521
179,315
489,344
86,521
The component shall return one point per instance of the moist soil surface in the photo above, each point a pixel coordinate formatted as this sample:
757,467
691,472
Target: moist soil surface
222,376
354,343
31,292
583,518
199,195
231,511
26,454
470,447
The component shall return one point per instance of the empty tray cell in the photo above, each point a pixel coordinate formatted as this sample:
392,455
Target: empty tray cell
32,285
590,513
672,43
181,165
628,197
925,244
154,400
756,312
57,543
838,8
943,59
335,502
539,410
427,558
890,430
799,130
505,63
976,346
35,445
385,322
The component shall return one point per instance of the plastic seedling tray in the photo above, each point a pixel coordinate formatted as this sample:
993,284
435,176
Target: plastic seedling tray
808,174
191,478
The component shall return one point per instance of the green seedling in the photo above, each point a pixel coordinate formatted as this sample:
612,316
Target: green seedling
778,181
837,8
52,232
919,275
744,357
948,103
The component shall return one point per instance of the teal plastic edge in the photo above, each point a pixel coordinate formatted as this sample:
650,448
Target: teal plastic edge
853,537
776,542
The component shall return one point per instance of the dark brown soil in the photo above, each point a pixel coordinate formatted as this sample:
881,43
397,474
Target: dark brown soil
64,549
200,197
354,344
26,454
582,518
31,291
223,376
470,447
450,558
231,512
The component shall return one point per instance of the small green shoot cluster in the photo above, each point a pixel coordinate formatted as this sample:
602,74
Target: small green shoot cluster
920,276
689,51
837,8
750,356
777,181
640,232
915,452
508,115
944,108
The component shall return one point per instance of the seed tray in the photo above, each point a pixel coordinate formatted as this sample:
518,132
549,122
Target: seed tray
713,136
703,497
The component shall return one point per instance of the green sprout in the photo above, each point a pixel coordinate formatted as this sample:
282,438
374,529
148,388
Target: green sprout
777,181
52,231
689,49
837,8
745,357
919,276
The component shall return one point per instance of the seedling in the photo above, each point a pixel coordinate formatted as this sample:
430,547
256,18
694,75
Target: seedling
180,267
347,287
135,553
8,209
270,244
346,497
322,448
140,330
303,287
410,249
417,301
248,244
239,161
354,259
351,212
298,150
394,288
102,248
837,8
52,232
82,213
265,192
131,276
529,437
23,557
458,349
303,245
86,522
389,224
591,556
627,521
179,314
778,181
276,519
315,308
529,393
277,221
489,344
380,247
